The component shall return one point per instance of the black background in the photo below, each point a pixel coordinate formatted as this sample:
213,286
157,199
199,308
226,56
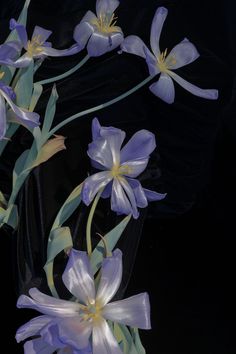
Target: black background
186,256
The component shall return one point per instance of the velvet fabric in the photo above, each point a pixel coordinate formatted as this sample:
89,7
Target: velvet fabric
183,262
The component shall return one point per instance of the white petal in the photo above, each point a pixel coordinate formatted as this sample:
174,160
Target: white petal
133,311
110,278
209,94
48,305
164,88
32,327
78,277
103,339
93,184
156,29
182,54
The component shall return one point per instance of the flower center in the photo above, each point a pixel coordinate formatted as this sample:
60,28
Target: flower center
161,61
92,312
106,23
34,46
118,170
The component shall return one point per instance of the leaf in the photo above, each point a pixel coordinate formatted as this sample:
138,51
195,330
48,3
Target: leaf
59,239
50,111
24,86
138,344
67,209
11,216
19,166
123,337
37,91
111,238
3,201
50,148
12,128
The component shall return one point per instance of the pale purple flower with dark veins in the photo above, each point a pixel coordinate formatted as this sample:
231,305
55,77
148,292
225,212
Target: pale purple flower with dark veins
15,114
38,47
80,325
159,62
120,167
99,31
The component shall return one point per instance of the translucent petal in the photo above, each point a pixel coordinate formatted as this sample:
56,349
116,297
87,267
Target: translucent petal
110,278
130,194
48,305
84,29
182,54
21,31
41,34
140,146
103,339
138,190
119,201
135,45
106,7
32,327
78,277
156,29
164,89
93,184
133,311
209,94
153,196
38,346
101,43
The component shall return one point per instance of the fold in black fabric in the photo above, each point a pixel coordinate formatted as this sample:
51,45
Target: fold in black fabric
189,134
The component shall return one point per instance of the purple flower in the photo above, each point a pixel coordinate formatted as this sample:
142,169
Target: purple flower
99,31
37,47
72,324
16,114
159,62
120,167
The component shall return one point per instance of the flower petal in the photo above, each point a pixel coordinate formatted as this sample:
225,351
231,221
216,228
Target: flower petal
7,53
21,31
182,54
50,335
151,63
110,279
41,34
38,346
52,52
103,339
140,146
101,43
153,196
133,311
138,190
22,62
32,327
106,7
119,201
93,184
130,194
135,45
78,277
133,168
3,124
156,29
209,94
96,127
48,305
164,88
29,119
74,332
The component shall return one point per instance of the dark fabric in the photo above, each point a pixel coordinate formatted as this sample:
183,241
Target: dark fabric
185,260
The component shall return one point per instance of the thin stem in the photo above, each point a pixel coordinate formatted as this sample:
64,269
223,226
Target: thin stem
89,222
67,73
104,105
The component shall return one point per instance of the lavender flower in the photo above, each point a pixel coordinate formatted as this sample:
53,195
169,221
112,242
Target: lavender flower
99,31
37,47
9,52
159,62
16,114
119,168
68,324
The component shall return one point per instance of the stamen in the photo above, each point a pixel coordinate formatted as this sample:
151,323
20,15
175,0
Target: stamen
2,74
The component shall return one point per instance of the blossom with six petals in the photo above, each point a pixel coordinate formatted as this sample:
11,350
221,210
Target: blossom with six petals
160,63
68,325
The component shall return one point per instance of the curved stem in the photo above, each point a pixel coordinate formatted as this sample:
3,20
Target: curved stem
89,222
104,105
67,73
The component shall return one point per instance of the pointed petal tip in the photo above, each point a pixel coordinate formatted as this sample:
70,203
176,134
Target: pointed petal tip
162,10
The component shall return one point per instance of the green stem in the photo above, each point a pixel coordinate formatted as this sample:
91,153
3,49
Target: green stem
16,78
104,105
67,73
89,222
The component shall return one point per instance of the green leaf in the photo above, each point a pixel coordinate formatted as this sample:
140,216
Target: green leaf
138,344
11,216
111,238
50,111
59,240
37,91
70,205
123,337
24,86
19,166
12,128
